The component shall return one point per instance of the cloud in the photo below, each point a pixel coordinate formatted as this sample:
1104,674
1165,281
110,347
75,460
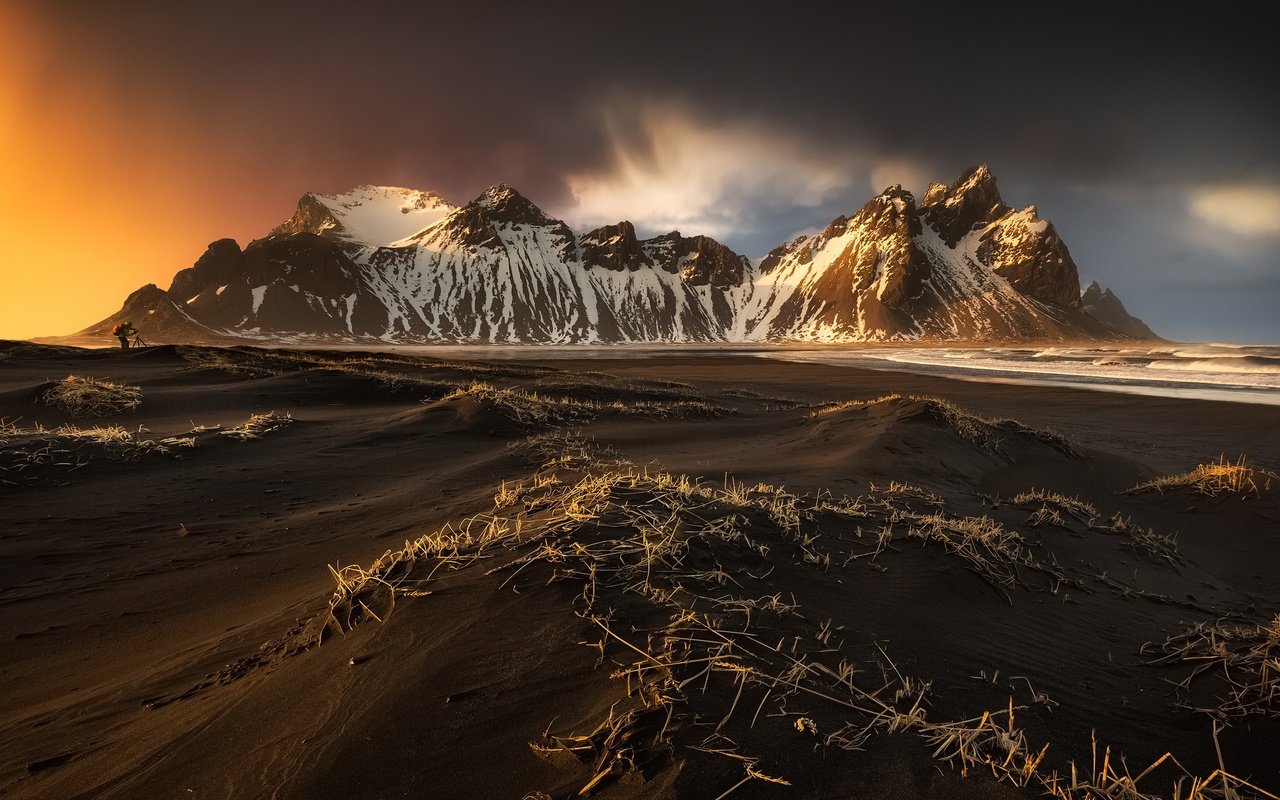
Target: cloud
669,170
1249,210
913,176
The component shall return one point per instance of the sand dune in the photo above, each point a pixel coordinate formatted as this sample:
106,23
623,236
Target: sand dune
692,576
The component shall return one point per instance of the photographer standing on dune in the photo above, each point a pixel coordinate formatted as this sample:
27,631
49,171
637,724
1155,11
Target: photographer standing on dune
122,331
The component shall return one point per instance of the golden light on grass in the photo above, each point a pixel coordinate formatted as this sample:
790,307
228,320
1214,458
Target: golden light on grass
1216,479
91,397
258,425
982,431
622,534
1244,658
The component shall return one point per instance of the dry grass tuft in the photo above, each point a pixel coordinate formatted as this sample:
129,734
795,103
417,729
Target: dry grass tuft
121,443
668,574
603,386
259,425
530,396
1241,662
1217,479
246,362
27,454
527,408
9,430
255,363
1057,502
769,402
991,550
983,432
1140,538
90,397
1044,515
534,409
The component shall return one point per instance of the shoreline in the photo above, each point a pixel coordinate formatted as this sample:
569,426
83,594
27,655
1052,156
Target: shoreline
1184,389
1227,386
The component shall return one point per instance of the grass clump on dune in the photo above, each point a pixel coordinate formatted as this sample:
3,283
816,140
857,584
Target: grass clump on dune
1139,538
258,425
534,409
250,363
28,454
968,426
1221,478
8,430
121,443
90,397
1243,659
1056,509
990,549
1056,501
526,408
531,397
670,576
981,431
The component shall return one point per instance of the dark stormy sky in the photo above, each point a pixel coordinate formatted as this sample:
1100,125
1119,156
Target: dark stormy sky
136,132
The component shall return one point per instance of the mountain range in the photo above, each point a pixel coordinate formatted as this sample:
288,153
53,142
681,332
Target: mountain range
400,265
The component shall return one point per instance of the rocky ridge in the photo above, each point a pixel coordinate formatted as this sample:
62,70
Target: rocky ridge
401,265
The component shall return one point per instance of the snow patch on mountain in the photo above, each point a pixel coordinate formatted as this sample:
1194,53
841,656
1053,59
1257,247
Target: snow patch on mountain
401,265
368,216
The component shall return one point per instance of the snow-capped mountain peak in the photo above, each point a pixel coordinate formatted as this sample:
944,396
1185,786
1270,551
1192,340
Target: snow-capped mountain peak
368,216
503,204
402,265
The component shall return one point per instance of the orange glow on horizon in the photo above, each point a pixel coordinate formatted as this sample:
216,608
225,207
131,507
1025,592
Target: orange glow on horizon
99,193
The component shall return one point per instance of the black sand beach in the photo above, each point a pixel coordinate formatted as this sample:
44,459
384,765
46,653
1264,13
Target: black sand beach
680,576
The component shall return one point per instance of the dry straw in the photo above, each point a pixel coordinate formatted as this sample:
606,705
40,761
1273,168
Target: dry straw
258,425
986,433
1242,660
701,655
90,397
1221,478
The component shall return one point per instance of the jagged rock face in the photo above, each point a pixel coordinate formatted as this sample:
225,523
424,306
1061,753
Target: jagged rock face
311,216
480,223
505,205
473,228
892,221
286,282
867,270
497,269
301,282
400,265
698,260
613,247
1106,307
934,194
972,201
219,265
896,272
1018,245
1027,251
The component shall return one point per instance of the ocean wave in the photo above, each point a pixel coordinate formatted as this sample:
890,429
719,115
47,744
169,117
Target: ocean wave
1265,365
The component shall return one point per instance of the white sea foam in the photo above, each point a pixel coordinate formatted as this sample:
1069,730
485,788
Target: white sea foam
1245,373
1248,365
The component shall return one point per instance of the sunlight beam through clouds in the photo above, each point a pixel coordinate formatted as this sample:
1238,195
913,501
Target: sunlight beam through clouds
1248,210
683,173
